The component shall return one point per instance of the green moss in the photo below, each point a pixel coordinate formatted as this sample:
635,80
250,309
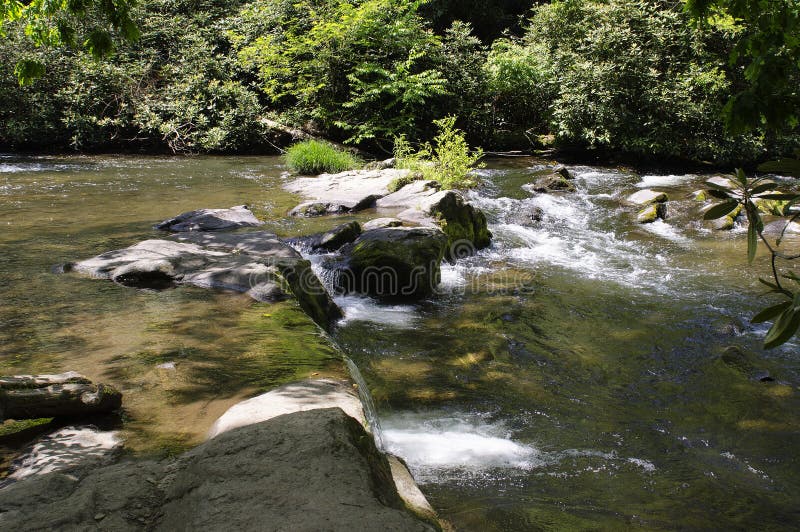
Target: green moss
399,182
12,426
312,157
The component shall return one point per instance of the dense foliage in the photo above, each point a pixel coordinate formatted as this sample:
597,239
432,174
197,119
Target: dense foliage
615,76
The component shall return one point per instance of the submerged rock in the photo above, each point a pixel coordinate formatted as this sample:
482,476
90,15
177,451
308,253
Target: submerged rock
344,192
396,262
257,264
64,395
211,220
313,470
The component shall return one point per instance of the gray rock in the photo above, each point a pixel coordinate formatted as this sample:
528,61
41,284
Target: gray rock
397,262
331,240
257,264
344,192
424,204
555,182
380,223
646,197
211,220
313,470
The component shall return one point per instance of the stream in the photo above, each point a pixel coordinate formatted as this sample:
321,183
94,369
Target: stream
583,372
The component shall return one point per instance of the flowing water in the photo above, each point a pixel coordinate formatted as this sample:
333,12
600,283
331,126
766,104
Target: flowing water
582,372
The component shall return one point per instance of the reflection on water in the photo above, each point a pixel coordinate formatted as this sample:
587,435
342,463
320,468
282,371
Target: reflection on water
582,372
181,357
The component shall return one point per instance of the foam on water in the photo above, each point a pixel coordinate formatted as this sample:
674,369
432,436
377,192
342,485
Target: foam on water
360,308
466,445
649,181
669,232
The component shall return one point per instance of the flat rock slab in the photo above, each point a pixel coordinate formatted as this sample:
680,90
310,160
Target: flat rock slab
211,220
380,223
344,192
257,264
295,397
312,470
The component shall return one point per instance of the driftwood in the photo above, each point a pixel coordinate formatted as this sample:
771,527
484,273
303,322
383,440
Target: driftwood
67,394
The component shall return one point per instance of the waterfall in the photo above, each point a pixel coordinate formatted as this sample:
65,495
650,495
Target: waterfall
370,412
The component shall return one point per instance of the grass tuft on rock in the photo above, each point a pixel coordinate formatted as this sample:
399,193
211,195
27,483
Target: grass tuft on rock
313,157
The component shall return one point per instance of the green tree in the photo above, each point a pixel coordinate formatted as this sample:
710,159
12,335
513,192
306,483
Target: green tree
89,24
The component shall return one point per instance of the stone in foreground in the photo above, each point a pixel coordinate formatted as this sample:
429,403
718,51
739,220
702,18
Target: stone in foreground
65,395
396,262
313,470
211,220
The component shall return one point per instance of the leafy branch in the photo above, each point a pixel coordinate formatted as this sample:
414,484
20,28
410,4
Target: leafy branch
746,193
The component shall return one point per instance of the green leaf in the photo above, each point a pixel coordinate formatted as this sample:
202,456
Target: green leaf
769,284
783,329
717,186
28,70
763,187
780,197
720,209
752,241
770,312
741,177
717,193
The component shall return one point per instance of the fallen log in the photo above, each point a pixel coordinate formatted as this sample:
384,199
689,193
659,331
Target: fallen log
64,395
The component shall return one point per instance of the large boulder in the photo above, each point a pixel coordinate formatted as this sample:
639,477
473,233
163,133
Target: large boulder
211,220
424,204
257,264
64,395
344,192
312,470
396,262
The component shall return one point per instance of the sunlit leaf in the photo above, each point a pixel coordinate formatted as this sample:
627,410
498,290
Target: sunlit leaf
770,312
720,209
783,329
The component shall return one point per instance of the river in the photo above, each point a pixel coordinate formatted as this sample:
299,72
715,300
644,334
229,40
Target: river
576,374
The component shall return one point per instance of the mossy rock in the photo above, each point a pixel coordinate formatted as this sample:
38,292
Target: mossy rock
307,288
651,213
464,225
396,262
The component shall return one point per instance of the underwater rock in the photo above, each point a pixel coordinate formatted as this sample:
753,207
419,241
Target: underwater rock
211,220
257,264
64,395
312,470
395,262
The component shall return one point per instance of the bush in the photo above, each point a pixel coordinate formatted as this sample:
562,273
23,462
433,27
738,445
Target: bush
312,157
447,159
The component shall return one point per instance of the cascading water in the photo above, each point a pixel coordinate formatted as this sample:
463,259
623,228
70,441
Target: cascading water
370,412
